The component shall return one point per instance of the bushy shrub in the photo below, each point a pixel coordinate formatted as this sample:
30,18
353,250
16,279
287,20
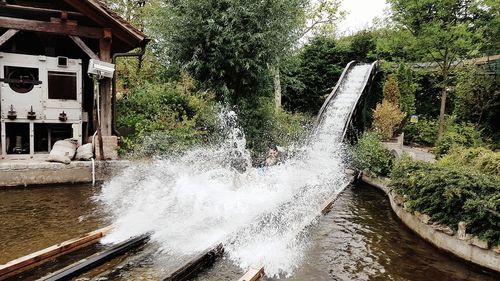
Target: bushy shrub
263,124
424,132
450,195
167,117
369,154
391,90
386,117
480,159
458,134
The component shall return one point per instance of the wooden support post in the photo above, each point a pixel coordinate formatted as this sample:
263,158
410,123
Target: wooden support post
7,35
105,85
104,122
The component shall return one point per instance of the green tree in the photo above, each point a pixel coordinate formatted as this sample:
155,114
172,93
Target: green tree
228,45
477,97
443,32
319,65
408,86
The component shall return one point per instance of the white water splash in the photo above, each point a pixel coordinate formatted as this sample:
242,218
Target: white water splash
191,202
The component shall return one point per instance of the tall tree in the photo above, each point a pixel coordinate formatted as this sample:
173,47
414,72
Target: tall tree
444,32
228,45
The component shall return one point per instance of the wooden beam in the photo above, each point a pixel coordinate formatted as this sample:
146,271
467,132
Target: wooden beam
86,264
51,27
253,274
101,17
78,41
7,35
37,10
24,263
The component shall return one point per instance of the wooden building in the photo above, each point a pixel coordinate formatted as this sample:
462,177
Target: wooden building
46,93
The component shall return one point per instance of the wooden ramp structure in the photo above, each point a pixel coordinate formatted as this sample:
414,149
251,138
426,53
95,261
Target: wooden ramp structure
30,261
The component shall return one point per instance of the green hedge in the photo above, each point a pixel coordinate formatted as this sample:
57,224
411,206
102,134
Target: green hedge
423,132
458,134
479,159
370,155
450,195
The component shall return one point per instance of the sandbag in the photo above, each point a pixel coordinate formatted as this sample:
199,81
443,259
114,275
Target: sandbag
84,152
63,151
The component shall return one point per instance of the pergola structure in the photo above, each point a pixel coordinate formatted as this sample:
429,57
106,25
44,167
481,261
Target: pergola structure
45,48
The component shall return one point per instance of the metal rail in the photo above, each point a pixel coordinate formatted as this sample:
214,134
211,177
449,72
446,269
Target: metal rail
366,86
374,68
334,92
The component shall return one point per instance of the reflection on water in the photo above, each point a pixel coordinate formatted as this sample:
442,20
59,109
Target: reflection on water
362,239
35,218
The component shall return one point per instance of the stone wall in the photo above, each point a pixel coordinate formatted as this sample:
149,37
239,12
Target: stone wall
463,245
25,173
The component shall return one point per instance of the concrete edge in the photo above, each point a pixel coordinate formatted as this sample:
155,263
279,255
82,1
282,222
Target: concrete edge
18,174
450,243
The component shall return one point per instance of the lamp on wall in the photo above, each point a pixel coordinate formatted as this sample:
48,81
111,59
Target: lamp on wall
100,69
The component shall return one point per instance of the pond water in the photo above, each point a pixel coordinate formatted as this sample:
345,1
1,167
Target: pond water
34,218
362,239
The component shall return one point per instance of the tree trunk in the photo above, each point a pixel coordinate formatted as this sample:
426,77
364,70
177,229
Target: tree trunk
442,110
444,94
275,72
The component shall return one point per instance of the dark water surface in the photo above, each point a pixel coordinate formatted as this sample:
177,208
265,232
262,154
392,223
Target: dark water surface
32,219
362,239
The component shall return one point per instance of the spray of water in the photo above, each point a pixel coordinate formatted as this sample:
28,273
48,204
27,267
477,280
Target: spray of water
212,194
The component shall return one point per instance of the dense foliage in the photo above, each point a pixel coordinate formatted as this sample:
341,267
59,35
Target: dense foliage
423,132
370,155
443,32
167,117
479,159
386,117
312,74
450,195
458,134
478,98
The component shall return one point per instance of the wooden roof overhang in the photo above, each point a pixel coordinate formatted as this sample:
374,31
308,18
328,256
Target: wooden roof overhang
90,19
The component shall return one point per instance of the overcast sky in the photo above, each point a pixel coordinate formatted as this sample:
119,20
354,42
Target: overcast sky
360,14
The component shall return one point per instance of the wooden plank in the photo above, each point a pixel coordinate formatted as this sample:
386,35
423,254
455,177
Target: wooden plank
78,41
95,260
38,10
7,35
51,27
253,274
196,264
37,258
